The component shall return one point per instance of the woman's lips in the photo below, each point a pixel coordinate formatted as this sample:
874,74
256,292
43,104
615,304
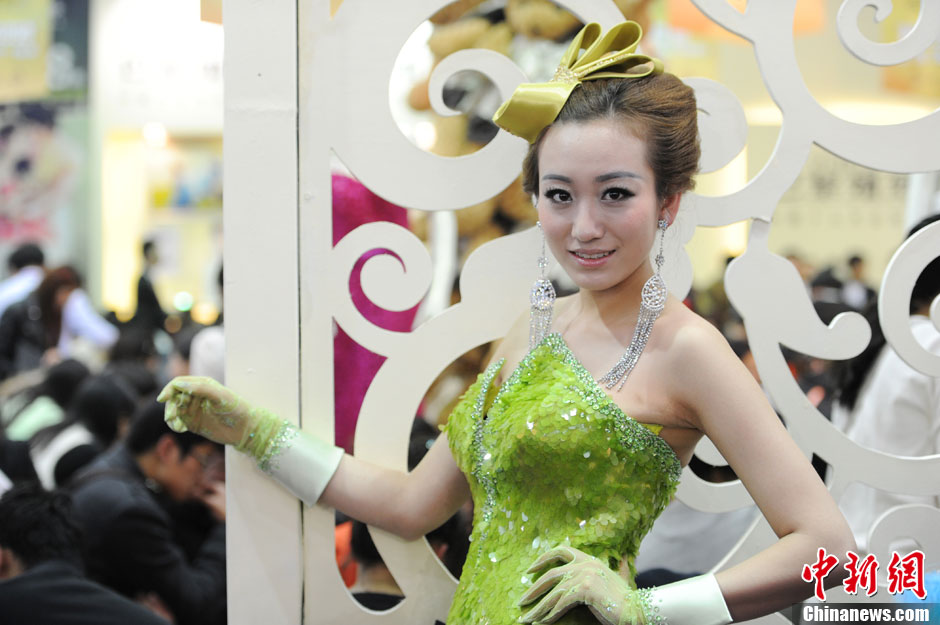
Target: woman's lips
591,258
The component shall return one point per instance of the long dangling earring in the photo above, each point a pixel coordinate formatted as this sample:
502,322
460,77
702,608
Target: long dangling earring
652,302
541,300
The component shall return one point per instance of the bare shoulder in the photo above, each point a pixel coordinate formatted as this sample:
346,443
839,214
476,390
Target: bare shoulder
692,337
699,361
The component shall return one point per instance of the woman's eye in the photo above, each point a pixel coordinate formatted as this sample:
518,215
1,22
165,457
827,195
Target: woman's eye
558,195
617,194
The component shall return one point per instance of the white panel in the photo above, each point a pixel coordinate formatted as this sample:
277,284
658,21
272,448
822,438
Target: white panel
261,321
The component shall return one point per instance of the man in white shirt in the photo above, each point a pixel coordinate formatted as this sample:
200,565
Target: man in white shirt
26,272
898,412
887,405
81,322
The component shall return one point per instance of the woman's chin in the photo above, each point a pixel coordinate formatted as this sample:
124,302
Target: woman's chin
596,281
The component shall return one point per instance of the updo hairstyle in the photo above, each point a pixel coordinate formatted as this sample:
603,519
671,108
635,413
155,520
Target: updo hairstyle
660,109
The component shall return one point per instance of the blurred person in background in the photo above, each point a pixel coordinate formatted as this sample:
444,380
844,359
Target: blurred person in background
44,404
97,417
26,272
886,405
134,359
41,579
15,463
131,545
855,291
56,321
149,314
203,348
207,353
826,288
713,304
178,361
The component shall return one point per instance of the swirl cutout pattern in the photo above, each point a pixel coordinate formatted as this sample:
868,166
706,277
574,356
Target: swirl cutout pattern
914,43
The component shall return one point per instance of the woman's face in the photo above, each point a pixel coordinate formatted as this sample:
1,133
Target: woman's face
597,202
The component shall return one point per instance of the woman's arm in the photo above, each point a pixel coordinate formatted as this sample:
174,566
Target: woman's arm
407,504
733,412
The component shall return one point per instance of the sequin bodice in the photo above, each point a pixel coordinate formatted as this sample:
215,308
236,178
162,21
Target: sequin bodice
551,460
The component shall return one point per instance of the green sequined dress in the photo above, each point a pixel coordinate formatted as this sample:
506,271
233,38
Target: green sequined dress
551,460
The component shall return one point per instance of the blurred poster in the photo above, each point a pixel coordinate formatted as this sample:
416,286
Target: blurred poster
25,35
43,141
39,165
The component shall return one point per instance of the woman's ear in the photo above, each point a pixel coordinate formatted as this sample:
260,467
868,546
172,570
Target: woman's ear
670,207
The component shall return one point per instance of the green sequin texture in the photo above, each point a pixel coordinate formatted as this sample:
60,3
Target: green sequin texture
551,460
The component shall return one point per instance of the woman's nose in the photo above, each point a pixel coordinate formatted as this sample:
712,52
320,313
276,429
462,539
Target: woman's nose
587,225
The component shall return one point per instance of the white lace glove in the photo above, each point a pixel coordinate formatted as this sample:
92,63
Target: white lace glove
580,579
302,463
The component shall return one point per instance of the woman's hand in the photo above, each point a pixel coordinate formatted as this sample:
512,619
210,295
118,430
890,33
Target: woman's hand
580,580
204,406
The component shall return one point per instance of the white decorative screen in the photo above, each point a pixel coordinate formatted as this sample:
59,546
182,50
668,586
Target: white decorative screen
323,81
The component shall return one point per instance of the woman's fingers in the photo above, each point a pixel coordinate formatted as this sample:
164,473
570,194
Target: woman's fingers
177,407
192,385
168,391
558,555
542,607
542,586
567,601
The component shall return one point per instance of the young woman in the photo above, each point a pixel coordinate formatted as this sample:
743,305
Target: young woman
564,483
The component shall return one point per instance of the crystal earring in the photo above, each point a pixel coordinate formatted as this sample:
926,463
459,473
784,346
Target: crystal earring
652,302
541,300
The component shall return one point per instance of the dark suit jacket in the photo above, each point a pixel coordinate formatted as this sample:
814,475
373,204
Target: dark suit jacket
15,460
149,313
55,593
130,544
23,337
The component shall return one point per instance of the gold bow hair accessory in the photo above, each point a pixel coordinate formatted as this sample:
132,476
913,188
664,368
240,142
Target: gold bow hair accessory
533,106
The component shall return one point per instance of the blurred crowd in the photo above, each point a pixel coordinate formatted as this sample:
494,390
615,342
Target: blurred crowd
108,515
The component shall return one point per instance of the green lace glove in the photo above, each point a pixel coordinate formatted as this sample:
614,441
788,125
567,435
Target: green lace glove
204,406
584,580
304,464
580,580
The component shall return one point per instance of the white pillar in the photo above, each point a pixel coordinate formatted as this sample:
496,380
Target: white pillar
261,298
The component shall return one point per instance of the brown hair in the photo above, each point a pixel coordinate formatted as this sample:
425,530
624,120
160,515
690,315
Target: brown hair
61,278
660,109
